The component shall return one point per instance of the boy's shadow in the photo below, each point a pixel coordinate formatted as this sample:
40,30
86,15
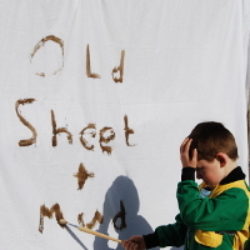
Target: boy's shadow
122,191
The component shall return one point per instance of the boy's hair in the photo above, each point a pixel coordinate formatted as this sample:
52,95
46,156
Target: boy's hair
210,138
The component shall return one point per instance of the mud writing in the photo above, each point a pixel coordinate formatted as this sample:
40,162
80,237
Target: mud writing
88,65
80,220
56,131
82,175
106,134
97,218
55,209
41,44
91,130
128,131
32,140
111,136
46,212
117,73
119,70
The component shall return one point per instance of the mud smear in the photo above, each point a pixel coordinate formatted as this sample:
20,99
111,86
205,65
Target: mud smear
46,212
119,69
32,140
57,131
82,175
41,44
80,220
92,133
88,65
98,217
106,139
128,131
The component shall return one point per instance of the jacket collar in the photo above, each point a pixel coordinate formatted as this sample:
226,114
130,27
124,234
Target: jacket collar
235,175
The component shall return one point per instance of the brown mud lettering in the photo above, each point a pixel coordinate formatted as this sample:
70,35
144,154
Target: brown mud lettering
88,65
80,220
106,139
32,140
57,131
46,212
119,69
41,44
128,131
91,127
98,217
82,175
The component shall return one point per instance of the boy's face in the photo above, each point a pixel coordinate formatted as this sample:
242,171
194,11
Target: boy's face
211,172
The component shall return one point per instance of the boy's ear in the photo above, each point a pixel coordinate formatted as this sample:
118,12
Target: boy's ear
222,158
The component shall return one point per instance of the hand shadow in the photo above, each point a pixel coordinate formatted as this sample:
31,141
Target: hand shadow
122,192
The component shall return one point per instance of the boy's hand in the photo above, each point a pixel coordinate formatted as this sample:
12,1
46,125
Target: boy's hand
134,243
186,160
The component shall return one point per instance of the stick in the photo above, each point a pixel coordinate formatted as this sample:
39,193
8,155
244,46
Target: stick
89,231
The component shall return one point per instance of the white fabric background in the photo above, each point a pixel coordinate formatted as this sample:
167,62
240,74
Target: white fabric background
185,62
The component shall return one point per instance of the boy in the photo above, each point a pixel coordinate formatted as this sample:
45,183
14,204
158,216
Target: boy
214,215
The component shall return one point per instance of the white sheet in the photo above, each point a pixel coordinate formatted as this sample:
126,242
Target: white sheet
185,62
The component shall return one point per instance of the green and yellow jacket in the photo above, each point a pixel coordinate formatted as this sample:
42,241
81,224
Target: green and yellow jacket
208,219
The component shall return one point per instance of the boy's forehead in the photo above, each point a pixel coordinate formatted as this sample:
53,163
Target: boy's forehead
203,163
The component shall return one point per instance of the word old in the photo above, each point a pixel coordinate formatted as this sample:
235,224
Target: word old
117,72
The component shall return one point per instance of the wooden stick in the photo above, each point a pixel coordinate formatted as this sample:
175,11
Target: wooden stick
89,231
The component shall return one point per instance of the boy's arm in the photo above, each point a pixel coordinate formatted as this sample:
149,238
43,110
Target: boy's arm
168,235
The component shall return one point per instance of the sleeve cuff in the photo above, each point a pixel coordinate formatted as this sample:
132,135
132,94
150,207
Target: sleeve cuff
188,173
151,240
